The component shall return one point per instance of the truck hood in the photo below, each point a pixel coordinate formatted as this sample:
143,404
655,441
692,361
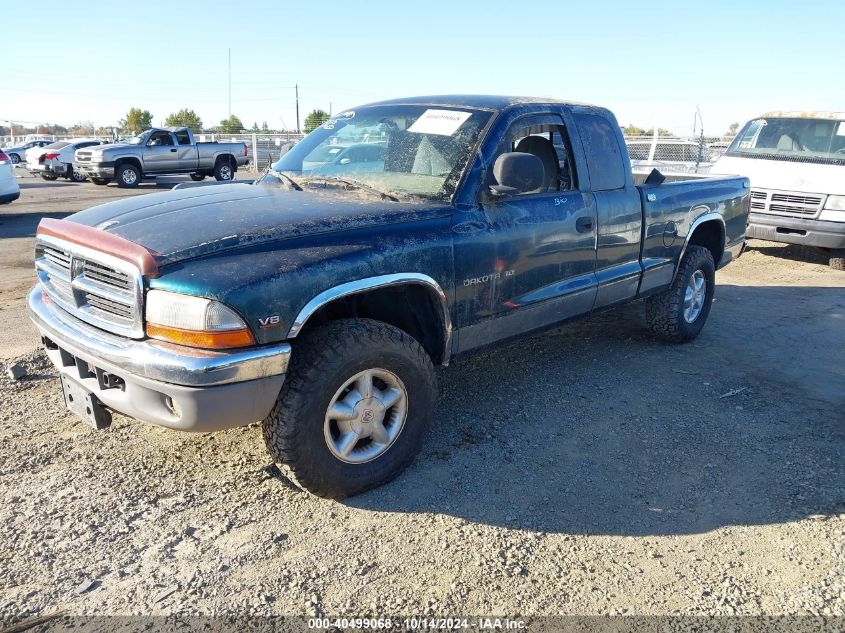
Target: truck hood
784,175
108,146
198,221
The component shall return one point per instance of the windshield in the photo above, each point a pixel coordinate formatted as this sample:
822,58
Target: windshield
805,140
140,139
398,150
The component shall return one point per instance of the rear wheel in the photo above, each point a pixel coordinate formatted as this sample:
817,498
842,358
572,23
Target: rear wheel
14,158
127,175
197,177
678,313
355,407
100,181
837,258
223,170
49,176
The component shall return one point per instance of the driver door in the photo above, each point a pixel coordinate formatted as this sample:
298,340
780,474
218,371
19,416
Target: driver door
160,153
527,260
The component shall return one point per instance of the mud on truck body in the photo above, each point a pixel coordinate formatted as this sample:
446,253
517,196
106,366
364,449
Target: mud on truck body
319,300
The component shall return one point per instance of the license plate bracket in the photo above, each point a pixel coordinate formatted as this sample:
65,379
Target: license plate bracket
85,404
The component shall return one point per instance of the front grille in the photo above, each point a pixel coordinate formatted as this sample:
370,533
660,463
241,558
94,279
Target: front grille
83,157
97,288
796,199
797,205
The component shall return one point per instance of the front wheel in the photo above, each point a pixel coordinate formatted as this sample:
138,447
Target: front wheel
49,176
678,313
223,170
837,259
15,159
100,181
355,407
127,175
197,177
73,175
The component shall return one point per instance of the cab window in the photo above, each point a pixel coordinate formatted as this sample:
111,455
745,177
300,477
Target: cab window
160,138
183,138
550,143
604,157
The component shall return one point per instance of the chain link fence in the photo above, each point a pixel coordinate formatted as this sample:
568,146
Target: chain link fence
669,154
672,154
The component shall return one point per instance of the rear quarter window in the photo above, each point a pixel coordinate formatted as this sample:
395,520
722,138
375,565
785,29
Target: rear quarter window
604,156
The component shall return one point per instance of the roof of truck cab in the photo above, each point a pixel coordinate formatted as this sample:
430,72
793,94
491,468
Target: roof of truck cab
489,102
804,114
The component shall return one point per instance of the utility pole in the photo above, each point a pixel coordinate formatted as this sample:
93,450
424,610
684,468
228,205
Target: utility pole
297,108
230,84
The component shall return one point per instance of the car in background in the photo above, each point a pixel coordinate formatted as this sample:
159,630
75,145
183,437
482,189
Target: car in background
17,154
9,189
56,159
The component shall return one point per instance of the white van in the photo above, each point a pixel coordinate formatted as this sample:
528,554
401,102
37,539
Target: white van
796,163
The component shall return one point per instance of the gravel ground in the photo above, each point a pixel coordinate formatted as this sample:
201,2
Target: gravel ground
587,470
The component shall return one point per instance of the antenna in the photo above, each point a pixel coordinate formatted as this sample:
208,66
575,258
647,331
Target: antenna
230,84
297,108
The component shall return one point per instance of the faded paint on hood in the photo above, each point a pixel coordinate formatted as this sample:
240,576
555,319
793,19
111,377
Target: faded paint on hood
194,222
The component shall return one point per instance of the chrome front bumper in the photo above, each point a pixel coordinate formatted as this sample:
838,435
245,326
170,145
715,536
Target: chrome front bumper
170,385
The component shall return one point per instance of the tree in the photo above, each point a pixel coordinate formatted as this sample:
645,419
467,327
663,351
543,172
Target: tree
230,125
315,119
255,127
136,120
185,118
633,130
264,127
733,128
660,132
83,128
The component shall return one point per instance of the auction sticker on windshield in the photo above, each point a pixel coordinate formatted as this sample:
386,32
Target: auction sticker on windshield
442,122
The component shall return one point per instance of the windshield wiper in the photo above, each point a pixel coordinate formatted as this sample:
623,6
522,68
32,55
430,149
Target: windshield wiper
294,185
354,183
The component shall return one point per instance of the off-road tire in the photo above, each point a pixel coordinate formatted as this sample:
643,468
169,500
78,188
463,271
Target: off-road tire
322,361
665,311
101,181
73,177
15,159
197,177
119,177
220,168
837,259
49,176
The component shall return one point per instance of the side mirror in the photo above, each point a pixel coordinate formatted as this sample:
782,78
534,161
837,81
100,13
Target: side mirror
345,161
517,172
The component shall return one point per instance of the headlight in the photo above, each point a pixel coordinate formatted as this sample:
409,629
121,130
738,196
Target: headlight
834,209
194,321
835,203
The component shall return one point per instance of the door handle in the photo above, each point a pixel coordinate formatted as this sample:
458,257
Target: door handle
584,224
173,150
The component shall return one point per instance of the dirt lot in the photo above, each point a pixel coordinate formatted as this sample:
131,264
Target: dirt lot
588,470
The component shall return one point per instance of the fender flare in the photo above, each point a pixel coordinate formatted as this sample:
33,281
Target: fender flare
708,216
373,283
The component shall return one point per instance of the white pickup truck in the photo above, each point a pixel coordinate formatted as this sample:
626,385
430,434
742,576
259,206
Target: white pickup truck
157,152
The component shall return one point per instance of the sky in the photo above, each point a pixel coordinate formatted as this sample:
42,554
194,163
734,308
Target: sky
651,62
